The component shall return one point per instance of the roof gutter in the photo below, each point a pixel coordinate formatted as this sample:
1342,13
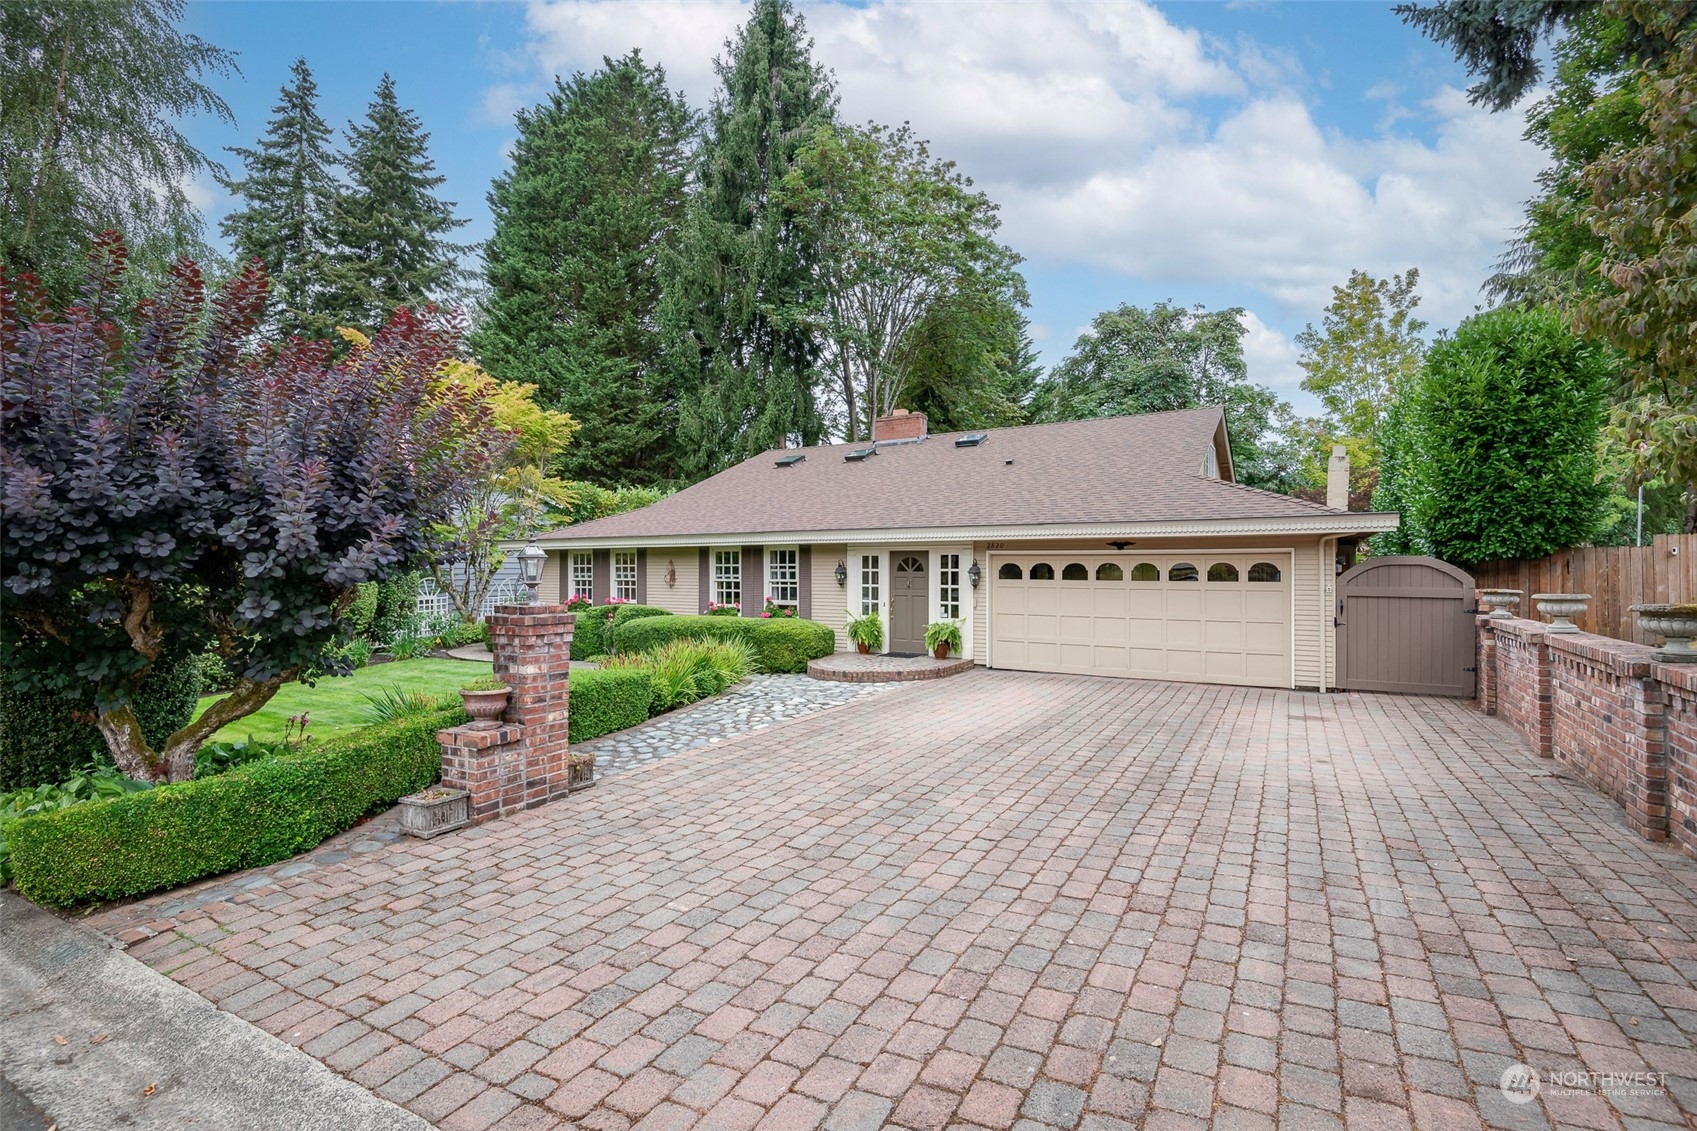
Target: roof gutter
1356,522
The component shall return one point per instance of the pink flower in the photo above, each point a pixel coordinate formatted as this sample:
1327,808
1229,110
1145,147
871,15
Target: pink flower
766,615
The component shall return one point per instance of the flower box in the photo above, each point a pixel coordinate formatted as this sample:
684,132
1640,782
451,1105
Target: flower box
436,810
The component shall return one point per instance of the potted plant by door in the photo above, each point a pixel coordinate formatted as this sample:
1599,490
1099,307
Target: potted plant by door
866,631
942,637
485,699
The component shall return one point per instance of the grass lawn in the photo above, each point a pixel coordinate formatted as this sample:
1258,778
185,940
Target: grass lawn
339,704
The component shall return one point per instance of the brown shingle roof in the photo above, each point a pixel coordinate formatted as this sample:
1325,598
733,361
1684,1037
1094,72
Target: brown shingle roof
1124,469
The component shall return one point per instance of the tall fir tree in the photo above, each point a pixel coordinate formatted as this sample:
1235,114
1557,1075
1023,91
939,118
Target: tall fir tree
391,231
287,191
595,194
735,318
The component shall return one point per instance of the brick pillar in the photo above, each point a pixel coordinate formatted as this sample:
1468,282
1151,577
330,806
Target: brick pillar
1679,693
524,762
1522,680
1485,663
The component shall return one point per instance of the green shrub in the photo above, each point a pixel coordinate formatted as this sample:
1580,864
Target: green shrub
248,816
624,614
461,634
213,675
778,645
94,783
589,633
363,611
45,738
390,703
787,645
608,700
397,607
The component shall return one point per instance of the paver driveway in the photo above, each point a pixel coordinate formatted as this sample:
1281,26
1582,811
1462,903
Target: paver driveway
1003,900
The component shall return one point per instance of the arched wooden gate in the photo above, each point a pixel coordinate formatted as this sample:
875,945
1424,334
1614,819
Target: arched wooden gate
1406,624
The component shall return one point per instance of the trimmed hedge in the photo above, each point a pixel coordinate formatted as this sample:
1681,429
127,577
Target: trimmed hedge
253,815
589,633
779,645
42,742
624,615
603,701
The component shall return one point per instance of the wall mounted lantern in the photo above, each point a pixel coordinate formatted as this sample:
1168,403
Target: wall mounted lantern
841,574
531,560
973,573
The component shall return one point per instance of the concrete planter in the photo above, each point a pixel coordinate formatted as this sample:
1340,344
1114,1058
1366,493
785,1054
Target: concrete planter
580,772
1561,608
436,810
485,707
1676,625
1501,602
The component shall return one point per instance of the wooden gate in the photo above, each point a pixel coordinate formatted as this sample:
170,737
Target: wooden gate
1406,624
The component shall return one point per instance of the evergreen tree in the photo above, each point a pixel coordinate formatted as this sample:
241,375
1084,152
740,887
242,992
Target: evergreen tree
390,230
287,193
92,94
596,191
973,365
738,338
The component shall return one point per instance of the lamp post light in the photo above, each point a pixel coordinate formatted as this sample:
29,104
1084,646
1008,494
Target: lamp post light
531,560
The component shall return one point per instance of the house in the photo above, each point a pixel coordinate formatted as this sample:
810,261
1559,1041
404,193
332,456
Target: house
1120,546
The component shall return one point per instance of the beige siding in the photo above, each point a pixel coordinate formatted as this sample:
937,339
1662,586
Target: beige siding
1307,658
683,597
830,601
549,591
981,604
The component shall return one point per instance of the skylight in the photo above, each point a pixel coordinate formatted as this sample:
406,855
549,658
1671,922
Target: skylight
970,440
859,454
790,461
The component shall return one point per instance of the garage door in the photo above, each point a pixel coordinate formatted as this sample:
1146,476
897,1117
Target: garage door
1208,617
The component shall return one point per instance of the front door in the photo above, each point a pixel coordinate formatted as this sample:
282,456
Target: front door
907,605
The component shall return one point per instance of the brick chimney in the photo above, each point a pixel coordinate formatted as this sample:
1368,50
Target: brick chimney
899,425
1337,479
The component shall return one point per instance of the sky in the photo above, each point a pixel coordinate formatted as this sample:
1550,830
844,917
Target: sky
1246,154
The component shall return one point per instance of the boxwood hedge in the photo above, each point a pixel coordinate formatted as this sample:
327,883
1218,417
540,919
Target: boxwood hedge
624,615
253,815
45,738
779,645
607,700
589,633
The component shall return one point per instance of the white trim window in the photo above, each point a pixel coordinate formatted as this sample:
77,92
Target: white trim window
871,591
624,574
783,578
583,574
727,577
948,586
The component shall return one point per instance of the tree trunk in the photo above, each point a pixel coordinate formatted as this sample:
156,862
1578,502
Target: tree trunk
175,762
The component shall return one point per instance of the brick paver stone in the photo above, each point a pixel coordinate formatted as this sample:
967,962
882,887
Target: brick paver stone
994,901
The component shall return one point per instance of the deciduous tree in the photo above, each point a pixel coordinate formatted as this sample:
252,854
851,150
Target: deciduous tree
94,94
166,492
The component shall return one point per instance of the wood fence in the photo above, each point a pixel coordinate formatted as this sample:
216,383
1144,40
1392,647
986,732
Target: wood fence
1617,577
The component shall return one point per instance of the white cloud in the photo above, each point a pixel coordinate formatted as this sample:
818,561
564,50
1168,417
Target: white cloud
1271,356
1098,129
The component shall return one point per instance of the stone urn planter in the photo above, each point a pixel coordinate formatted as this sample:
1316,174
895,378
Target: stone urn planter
580,772
1501,602
1561,608
436,810
485,705
1676,625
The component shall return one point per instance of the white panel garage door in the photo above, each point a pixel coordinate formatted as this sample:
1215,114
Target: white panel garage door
1211,616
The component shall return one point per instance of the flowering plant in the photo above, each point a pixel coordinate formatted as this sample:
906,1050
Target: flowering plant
618,600
729,609
577,601
773,609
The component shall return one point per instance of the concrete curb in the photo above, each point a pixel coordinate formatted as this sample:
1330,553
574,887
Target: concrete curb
209,1069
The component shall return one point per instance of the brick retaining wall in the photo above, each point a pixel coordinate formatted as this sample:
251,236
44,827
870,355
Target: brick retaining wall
1624,723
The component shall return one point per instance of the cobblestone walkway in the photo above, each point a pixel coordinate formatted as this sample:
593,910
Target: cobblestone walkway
757,703
1006,900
